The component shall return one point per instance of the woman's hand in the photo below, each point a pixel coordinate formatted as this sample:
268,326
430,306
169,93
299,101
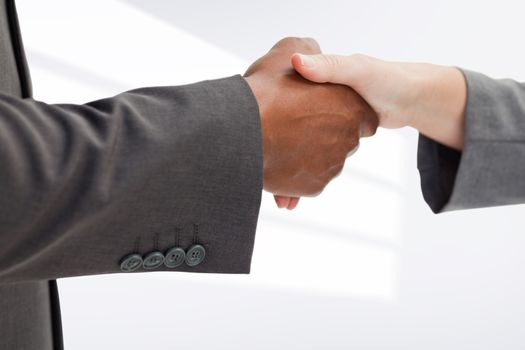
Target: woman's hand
427,97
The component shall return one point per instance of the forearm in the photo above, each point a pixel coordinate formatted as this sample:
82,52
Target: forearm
83,186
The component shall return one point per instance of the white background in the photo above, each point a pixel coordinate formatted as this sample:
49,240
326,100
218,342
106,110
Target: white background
365,265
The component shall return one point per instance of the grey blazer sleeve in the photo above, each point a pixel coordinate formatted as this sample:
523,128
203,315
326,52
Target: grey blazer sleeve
83,186
491,169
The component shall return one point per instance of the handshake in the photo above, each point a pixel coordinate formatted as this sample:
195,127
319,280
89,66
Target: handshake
308,129
314,108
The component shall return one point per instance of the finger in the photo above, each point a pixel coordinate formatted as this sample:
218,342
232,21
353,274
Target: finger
312,46
293,203
281,201
320,68
369,124
336,69
295,44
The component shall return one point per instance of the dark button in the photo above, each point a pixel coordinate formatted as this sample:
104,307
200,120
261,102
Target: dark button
131,263
195,255
174,257
153,260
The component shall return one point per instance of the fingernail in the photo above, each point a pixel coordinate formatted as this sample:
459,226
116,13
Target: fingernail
293,203
307,61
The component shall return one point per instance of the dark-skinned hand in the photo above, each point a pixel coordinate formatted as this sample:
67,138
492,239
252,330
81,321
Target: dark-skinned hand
308,129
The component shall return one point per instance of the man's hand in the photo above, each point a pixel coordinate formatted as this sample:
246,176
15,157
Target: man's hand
308,129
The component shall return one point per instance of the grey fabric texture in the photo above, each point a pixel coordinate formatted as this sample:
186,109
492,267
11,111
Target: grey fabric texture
84,185
25,319
491,169
9,79
27,310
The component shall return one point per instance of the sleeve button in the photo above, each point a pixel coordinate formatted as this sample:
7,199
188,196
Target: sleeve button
174,257
131,263
153,260
195,255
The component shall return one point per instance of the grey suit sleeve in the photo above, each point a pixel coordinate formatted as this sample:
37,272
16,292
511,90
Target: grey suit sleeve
491,169
82,186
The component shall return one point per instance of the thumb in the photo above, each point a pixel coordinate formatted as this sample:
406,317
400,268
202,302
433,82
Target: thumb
323,68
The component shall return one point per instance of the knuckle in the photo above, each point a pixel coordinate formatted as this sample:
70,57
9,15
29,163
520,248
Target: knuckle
318,184
370,132
287,41
336,170
317,191
295,38
311,44
372,127
309,40
290,39
303,45
352,147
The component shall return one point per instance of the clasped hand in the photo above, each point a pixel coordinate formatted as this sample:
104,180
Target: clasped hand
312,119
308,129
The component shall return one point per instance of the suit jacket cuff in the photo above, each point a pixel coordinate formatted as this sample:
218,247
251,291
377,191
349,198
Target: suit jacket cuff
488,171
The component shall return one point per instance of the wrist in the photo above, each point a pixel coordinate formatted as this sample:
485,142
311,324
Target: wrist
259,94
425,84
439,112
262,102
